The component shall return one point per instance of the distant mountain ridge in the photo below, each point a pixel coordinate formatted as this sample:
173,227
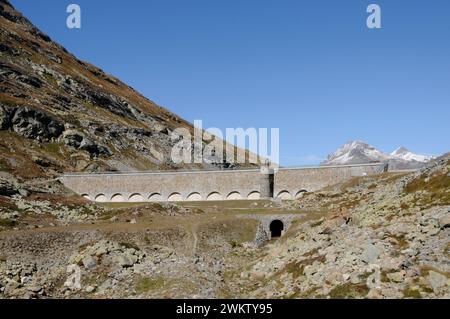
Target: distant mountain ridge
358,152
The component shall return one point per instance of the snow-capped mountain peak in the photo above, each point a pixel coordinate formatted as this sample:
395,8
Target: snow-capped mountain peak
359,152
405,154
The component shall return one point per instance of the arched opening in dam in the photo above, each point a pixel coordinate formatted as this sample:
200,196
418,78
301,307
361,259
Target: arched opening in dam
155,197
234,196
284,195
117,198
276,228
135,198
215,196
175,197
194,197
254,196
300,193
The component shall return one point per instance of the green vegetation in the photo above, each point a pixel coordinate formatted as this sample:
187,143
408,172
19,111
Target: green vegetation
146,284
295,268
349,291
434,190
425,270
410,293
8,223
4,167
53,148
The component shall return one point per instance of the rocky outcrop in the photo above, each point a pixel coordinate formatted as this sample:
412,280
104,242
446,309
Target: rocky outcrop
78,141
30,123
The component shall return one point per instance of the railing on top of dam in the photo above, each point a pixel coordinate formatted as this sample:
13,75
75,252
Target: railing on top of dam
213,170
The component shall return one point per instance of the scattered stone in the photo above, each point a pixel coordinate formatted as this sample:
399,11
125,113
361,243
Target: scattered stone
397,276
89,262
370,254
89,289
437,280
444,221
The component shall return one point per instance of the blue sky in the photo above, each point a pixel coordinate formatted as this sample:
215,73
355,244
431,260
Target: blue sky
311,68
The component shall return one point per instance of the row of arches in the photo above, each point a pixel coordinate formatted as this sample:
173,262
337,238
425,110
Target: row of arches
287,195
195,196
174,197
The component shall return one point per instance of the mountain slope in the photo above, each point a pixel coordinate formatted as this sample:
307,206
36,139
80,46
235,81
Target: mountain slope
58,113
357,152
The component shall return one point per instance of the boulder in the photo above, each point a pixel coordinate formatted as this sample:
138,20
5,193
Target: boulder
5,118
397,276
444,221
370,254
125,260
73,138
7,188
437,280
89,262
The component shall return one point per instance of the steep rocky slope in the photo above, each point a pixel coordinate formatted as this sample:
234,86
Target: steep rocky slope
58,113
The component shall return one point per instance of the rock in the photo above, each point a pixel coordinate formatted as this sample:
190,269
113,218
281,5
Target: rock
89,262
25,279
7,188
114,219
73,138
410,252
370,254
79,141
133,221
89,289
397,276
5,117
444,221
35,289
73,281
437,280
11,287
124,260
30,123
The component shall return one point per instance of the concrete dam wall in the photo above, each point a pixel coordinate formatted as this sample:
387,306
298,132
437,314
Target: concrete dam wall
264,183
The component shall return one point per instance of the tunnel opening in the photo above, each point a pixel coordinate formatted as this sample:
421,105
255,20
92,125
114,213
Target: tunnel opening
276,228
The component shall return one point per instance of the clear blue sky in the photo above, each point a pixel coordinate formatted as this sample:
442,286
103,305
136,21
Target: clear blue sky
311,68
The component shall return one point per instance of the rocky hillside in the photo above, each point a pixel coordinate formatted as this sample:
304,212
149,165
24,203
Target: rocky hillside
357,152
385,236
58,113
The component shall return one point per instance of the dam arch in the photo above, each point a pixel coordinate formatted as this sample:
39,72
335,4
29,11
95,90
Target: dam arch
300,193
101,198
284,195
214,196
254,196
155,197
136,198
194,197
175,197
117,198
234,196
